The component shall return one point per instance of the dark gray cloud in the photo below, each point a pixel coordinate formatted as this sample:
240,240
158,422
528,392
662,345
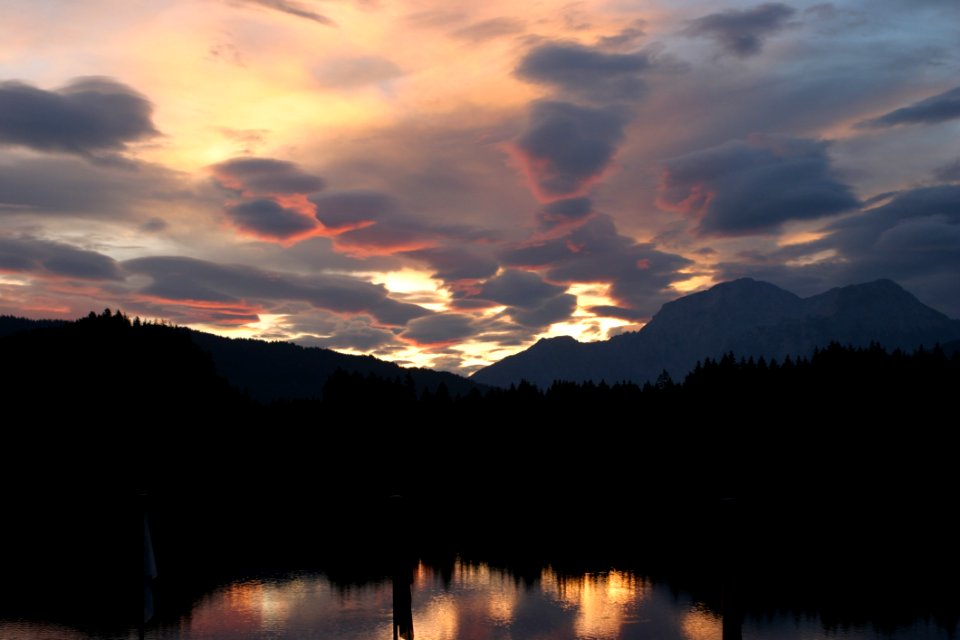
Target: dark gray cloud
565,210
939,203
743,188
371,222
529,300
455,263
639,274
949,172
441,328
349,208
628,37
43,257
265,176
184,279
88,117
742,32
517,288
586,72
939,108
266,218
552,310
566,146
914,239
356,333
67,186
350,73
479,32
292,8
153,225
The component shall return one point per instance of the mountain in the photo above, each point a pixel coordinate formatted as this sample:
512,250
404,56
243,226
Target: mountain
746,317
267,371
282,370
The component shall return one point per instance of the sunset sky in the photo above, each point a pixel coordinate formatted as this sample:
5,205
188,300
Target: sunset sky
442,183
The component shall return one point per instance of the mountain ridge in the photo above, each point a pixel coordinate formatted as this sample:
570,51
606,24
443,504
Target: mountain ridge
745,316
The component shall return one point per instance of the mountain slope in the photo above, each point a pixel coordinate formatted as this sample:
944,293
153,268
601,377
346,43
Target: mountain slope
270,371
281,370
746,317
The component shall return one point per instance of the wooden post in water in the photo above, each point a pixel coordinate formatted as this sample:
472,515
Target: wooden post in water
402,569
730,587
149,571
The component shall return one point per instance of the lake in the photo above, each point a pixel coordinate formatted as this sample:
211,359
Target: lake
471,601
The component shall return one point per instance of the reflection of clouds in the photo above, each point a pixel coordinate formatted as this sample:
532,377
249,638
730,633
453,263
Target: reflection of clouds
295,607
23,630
700,624
438,619
478,603
604,602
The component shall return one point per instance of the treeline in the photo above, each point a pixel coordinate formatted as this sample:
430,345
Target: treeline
147,391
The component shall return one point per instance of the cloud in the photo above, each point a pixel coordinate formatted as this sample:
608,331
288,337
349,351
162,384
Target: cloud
949,172
351,333
567,147
183,280
480,32
554,309
939,108
438,329
455,263
45,258
627,38
348,209
369,222
153,225
294,9
350,73
751,187
529,300
940,203
742,32
265,176
272,203
914,238
519,289
639,274
87,117
268,219
564,210
64,186
585,72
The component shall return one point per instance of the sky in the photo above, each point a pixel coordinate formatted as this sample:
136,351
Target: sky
443,183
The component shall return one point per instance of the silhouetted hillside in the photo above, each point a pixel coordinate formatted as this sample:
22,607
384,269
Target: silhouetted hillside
105,365
746,317
272,371
13,324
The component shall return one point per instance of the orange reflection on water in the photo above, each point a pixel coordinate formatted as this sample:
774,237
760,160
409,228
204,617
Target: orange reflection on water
438,619
604,602
484,595
233,610
700,624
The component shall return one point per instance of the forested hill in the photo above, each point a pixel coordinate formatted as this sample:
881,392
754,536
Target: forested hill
267,371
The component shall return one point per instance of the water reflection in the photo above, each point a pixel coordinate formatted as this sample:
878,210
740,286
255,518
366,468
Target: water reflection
474,601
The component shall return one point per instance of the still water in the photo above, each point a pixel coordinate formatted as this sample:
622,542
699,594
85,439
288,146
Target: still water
473,602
